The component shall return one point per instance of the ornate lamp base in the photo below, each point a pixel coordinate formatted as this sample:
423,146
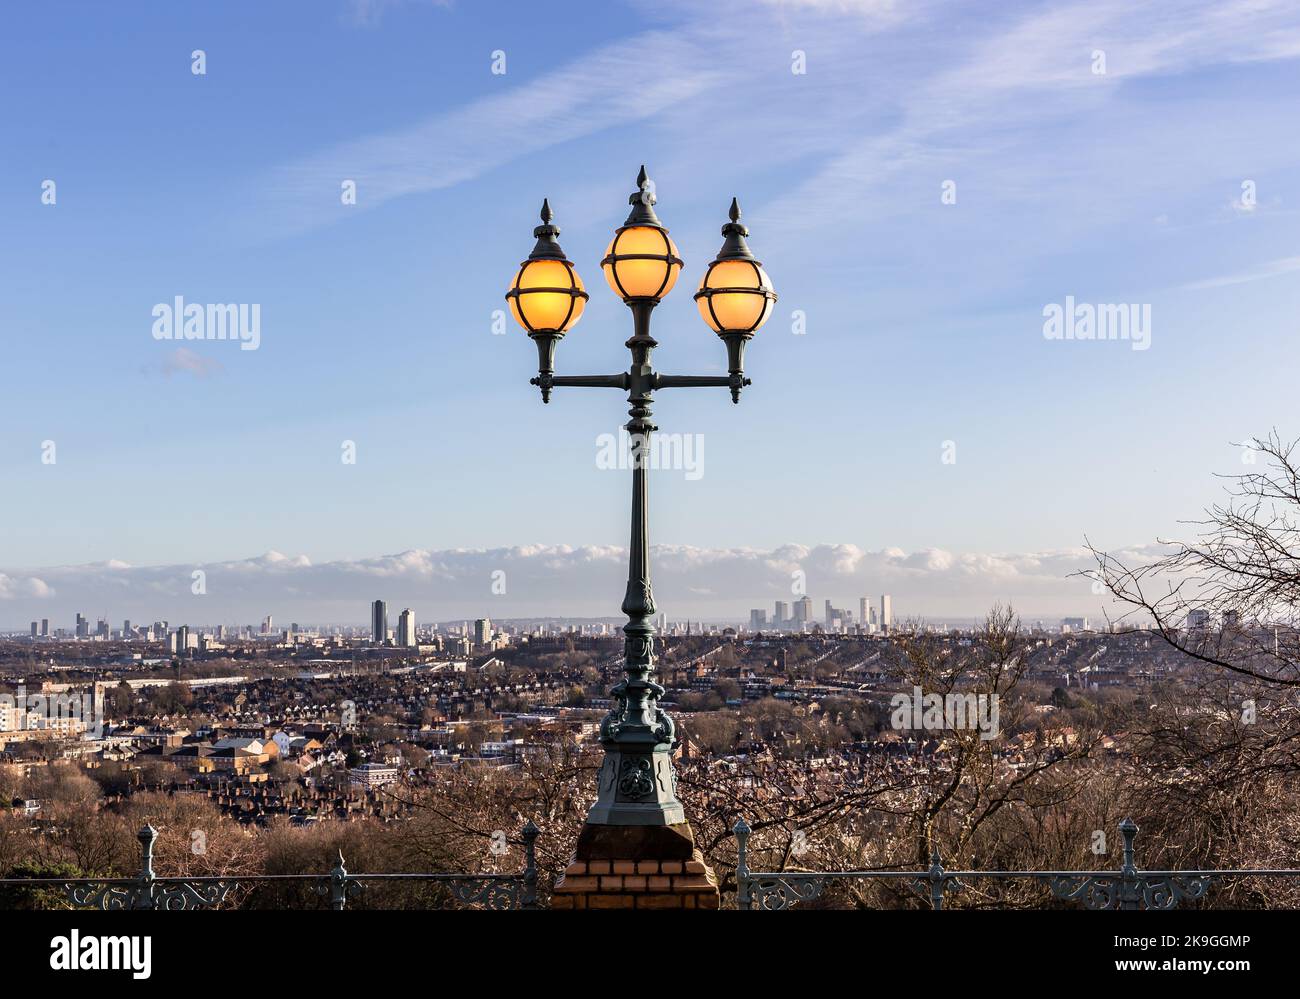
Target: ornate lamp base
636,850
636,788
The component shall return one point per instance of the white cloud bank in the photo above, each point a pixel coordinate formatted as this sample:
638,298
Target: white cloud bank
709,583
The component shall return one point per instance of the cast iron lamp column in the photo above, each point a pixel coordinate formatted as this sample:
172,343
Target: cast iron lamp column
636,785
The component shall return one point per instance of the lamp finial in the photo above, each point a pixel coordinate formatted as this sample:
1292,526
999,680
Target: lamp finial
548,247
734,246
642,201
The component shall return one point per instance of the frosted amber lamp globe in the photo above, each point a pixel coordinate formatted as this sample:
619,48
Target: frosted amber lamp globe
547,296
735,296
641,263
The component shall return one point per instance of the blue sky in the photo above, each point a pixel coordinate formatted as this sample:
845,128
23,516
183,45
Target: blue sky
924,319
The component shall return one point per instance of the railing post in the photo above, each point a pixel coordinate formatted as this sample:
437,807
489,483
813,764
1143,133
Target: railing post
338,885
743,898
1129,895
529,900
935,877
144,893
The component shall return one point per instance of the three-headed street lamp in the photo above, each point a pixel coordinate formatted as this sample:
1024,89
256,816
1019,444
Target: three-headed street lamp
636,785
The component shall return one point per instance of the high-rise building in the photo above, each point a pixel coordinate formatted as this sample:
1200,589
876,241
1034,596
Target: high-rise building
83,627
379,622
886,612
864,612
406,629
482,632
101,628
780,614
803,611
35,628
45,627
757,620
837,618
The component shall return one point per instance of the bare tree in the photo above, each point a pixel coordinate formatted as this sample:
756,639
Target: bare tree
1217,754
1230,598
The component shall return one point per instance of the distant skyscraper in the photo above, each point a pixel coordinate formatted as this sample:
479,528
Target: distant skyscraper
267,625
482,632
379,622
886,612
864,612
757,620
35,628
803,611
406,629
45,627
780,614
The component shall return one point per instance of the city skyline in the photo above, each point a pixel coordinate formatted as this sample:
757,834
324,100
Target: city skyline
878,622
559,581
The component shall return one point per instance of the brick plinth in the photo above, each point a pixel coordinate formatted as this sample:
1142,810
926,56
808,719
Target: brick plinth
637,884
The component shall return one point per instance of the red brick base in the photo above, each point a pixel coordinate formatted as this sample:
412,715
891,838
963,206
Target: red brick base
637,884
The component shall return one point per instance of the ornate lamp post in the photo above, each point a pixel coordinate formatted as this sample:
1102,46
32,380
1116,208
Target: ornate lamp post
637,786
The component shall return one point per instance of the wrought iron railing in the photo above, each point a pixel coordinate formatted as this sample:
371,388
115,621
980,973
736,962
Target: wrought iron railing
148,891
1127,888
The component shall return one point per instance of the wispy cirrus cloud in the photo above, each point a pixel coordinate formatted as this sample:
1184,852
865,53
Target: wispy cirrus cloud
1274,268
935,85
656,71
1031,69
